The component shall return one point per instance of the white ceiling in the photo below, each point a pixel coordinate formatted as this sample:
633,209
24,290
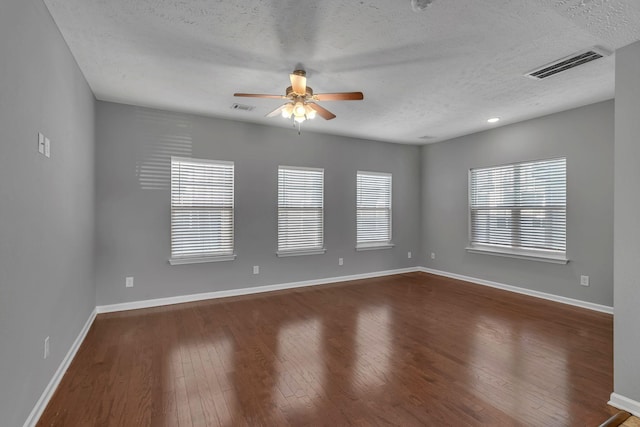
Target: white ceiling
441,72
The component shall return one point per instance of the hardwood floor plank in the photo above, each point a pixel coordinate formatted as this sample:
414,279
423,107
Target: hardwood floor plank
411,349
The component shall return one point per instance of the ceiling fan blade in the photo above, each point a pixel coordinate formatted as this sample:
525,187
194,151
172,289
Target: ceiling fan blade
342,96
298,84
323,112
277,111
259,95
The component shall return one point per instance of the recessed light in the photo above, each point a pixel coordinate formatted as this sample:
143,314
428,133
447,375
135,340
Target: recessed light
494,119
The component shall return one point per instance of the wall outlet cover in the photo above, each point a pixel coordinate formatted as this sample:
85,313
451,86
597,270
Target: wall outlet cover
46,348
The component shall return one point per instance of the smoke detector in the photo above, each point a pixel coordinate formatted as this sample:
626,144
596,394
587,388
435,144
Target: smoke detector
420,5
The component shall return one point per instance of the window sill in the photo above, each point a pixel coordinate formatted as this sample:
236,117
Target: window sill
374,246
194,260
301,252
532,255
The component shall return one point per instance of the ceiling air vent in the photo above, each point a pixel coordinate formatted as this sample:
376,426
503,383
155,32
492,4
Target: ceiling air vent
567,63
242,107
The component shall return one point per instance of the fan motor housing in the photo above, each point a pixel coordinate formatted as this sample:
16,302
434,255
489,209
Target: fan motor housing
290,91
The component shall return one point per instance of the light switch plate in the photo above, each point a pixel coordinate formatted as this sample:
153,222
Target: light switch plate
47,147
40,143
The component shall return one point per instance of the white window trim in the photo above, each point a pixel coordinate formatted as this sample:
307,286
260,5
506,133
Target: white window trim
307,251
371,246
194,260
553,257
216,258
282,254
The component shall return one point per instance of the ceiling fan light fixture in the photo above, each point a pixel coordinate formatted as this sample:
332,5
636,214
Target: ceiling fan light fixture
311,113
301,101
287,111
299,109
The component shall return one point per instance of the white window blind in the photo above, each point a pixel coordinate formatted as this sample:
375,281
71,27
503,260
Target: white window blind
201,210
373,206
300,211
520,206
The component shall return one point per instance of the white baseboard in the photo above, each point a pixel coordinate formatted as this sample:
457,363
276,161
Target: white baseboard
625,404
134,305
37,411
524,291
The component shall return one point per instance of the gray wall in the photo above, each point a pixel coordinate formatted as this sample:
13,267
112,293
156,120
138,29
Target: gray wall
133,148
627,224
46,205
585,137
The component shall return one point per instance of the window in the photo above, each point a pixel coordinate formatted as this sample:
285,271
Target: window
520,210
373,206
300,211
201,210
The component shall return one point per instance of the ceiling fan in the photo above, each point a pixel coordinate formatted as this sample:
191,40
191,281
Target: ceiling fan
301,105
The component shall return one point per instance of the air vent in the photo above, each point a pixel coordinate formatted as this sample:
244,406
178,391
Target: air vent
567,63
242,107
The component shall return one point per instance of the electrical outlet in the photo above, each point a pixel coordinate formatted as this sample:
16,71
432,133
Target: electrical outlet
129,282
256,269
584,280
340,261
46,348
433,255
409,254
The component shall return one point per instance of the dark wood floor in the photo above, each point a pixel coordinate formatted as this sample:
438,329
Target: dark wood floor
411,349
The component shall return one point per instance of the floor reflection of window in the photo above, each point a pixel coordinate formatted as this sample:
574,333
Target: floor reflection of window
301,370
374,347
199,375
512,367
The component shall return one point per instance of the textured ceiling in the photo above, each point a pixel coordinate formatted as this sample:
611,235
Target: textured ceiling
440,72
